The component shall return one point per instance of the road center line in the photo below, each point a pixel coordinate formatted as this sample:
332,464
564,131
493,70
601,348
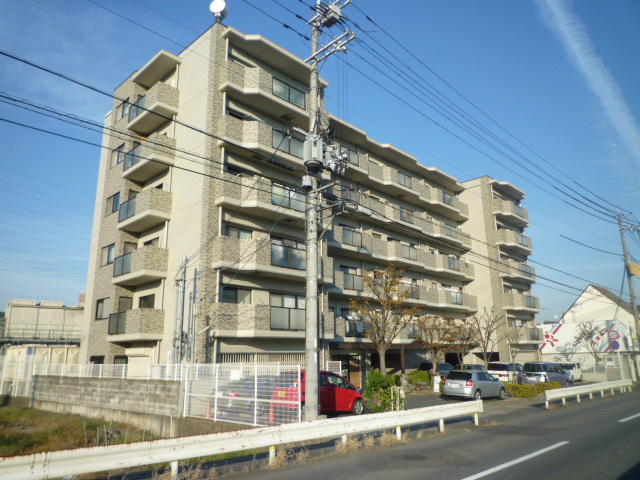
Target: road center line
516,461
629,418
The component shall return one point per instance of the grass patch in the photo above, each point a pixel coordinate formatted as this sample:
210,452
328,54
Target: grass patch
24,431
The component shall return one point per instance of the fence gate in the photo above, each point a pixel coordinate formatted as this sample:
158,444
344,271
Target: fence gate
255,394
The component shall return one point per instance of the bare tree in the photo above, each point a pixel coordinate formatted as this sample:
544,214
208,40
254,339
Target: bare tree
485,331
567,351
464,339
384,313
590,337
513,336
439,336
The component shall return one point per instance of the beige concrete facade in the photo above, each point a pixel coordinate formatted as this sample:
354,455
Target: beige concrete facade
216,194
503,276
44,322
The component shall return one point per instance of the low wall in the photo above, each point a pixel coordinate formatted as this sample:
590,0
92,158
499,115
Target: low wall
152,405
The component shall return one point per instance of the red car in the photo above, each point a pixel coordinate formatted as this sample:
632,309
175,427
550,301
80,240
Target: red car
336,395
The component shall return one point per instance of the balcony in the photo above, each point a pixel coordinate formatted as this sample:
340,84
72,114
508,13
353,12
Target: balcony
146,210
521,302
154,109
452,234
510,212
527,334
257,90
451,300
140,324
448,205
154,156
354,328
256,197
514,241
518,270
161,65
144,265
269,258
287,318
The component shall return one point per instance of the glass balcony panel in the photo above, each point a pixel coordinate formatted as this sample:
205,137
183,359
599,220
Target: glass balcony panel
456,298
298,201
297,259
279,318
279,256
280,141
117,323
450,231
454,264
137,108
132,157
296,148
297,319
279,196
127,210
534,334
280,89
530,301
522,240
297,98
447,198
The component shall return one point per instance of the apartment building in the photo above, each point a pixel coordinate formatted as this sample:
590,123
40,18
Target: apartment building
503,276
224,211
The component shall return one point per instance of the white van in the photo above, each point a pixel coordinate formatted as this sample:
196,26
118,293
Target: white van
575,373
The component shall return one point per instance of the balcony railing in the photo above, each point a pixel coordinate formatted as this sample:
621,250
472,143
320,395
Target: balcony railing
287,198
288,257
526,270
354,328
283,318
414,331
448,199
522,240
137,108
351,237
122,264
530,301
456,298
450,231
409,252
413,291
132,157
353,282
117,323
127,210
454,264
518,210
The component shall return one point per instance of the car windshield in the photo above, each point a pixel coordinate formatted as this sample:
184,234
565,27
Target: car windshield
456,375
535,367
499,367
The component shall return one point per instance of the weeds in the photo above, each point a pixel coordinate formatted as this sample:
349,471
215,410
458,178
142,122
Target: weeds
351,445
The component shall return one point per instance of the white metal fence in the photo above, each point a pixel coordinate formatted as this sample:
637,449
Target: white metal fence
245,393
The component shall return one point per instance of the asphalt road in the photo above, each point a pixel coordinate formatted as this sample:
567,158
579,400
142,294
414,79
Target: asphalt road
596,439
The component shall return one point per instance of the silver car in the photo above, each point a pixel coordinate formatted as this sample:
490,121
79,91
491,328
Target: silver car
473,384
536,372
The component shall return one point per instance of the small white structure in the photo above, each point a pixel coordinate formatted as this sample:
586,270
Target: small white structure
615,338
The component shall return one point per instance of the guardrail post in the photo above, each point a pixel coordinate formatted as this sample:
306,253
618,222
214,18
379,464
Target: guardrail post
564,401
601,393
546,404
272,454
621,389
398,433
344,438
578,398
441,425
590,395
175,466
476,419
612,392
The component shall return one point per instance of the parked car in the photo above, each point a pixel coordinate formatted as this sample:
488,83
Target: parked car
442,368
473,384
241,398
574,370
506,372
337,395
536,372
479,368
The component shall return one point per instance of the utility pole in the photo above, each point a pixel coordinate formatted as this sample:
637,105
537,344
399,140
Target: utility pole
629,274
314,161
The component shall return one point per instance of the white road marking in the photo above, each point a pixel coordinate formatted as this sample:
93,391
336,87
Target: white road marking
514,462
629,418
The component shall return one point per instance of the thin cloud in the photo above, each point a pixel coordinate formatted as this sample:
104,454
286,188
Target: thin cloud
574,37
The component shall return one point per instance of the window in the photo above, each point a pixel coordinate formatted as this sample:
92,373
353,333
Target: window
348,192
352,155
406,215
414,331
288,93
154,242
454,263
447,198
122,110
287,311
352,281
286,144
130,247
405,179
235,295
148,301
117,155
102,306
286,197
120,360
108,254
113,203
237,232
288,253
96,359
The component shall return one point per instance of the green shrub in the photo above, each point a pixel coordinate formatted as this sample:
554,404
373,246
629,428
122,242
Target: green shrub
522,391
377,381
419,376
543,386
385,401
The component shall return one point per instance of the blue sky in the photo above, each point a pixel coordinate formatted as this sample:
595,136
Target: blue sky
560,76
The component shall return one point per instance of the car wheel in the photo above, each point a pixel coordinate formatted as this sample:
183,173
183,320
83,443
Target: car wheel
477,395
503,394
358,407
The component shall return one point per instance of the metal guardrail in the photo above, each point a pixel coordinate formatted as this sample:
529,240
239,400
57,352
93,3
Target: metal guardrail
563,393
100,459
